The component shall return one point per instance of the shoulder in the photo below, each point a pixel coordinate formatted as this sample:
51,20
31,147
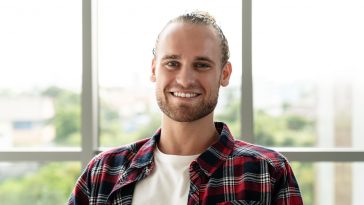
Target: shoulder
104,171
257,153
118,156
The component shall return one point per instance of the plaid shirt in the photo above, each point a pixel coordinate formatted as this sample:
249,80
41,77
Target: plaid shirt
228,172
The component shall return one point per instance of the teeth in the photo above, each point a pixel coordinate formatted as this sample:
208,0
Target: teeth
184,95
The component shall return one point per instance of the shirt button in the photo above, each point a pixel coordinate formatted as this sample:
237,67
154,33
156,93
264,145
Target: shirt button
147,171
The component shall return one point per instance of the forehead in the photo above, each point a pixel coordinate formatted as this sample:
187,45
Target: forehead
189,39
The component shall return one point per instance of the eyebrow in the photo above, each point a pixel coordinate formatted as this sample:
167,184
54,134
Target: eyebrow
171,57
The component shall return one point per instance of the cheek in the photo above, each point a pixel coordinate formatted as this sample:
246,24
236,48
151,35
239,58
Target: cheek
158,85
213,81
211,85
163,79
161,83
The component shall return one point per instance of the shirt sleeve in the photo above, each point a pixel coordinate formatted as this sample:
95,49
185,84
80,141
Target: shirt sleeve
286,189
80,193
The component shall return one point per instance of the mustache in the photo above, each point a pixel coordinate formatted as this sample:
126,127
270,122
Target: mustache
178,86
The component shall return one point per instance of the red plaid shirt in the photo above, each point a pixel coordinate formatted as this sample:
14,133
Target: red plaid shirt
228,172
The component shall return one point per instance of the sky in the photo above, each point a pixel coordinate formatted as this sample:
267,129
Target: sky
41,43
303,41
308,40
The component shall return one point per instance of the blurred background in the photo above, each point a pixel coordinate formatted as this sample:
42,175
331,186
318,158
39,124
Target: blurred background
307,65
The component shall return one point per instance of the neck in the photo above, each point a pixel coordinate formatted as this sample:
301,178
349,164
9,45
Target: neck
187,138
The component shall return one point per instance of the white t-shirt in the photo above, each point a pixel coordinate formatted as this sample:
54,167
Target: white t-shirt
169,182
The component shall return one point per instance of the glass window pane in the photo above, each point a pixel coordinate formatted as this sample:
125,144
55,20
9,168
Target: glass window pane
328,183
37,183
40,77
126,36
307,68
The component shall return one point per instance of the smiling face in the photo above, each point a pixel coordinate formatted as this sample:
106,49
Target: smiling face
188,72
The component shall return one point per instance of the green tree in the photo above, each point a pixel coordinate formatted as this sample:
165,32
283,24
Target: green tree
67,120
289,130
51,184
231,112
283,130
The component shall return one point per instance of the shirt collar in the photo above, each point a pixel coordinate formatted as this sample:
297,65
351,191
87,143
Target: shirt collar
208,161
144,156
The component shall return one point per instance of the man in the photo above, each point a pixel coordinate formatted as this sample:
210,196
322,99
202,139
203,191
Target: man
191,159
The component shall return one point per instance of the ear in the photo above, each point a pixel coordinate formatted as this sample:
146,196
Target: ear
225,75
152,76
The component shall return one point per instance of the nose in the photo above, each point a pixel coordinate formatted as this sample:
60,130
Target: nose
185,77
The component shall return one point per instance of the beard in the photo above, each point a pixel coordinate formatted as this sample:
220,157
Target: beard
187,112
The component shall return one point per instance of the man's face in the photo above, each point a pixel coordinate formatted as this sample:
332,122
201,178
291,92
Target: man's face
187,71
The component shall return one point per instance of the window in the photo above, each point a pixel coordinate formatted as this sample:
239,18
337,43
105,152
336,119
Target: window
329,183
307,92
306,67
40,86
305,79
22,125
41,73
37,183
128,110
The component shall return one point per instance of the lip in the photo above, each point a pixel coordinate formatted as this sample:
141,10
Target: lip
185,94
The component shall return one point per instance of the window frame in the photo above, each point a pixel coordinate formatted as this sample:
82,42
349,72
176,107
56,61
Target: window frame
90,106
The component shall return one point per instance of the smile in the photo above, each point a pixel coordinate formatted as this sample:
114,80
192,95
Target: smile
184,95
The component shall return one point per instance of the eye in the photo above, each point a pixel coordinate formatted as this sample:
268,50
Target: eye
202,66
172,64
